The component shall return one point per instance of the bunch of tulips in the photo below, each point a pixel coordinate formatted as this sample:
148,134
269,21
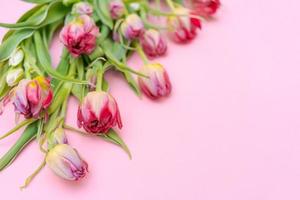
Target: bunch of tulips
98,36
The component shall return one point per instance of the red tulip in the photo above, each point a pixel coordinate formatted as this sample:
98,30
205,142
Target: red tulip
158,84
183,28
206,8
80,35
153,43
98,113
32,97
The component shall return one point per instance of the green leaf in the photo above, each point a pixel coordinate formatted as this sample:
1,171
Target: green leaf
45,61
101,8
18,127
113,137
9,45
132,83
38,1
27,136
48,13
60,96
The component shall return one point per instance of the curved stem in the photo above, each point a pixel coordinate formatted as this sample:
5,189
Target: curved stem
33,175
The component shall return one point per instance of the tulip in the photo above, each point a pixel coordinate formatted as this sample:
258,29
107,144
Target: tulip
153,43
14,75
79,36
132,27
16,57
82,8
157,84
98,113
65,161
32,97
57,137
183,28
116,9
206,8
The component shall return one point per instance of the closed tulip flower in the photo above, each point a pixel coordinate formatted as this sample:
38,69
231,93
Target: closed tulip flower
153,43
16,57
80,35
183,28
132,27
65,162
14,75
157,84
98,113
205,8
32,97
116,9
82,8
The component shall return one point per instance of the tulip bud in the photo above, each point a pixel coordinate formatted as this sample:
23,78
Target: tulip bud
65,161
116,8
80,35
32,97
82,8
14,76
16,57
153,43
132,27
57,137
183,28
158,84
205,8
98,113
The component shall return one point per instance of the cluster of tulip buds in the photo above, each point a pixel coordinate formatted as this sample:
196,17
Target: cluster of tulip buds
97,37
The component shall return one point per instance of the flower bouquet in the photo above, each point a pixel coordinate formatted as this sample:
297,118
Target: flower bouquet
98,36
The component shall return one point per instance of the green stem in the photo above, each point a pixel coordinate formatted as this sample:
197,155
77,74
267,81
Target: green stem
28,135
141,53
33,175
100,75
19,126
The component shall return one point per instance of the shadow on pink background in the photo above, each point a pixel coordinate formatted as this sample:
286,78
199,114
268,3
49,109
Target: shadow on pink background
230,130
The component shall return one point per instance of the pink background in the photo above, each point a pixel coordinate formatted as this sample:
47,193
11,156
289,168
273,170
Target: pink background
230,130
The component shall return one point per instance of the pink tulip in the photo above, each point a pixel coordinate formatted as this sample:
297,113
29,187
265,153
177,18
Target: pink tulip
65,161
205,8
98,113
158,84
80,35
116,8
32,97
132,27
183,28
82,8
153,43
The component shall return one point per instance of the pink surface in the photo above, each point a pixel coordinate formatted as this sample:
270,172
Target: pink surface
230,130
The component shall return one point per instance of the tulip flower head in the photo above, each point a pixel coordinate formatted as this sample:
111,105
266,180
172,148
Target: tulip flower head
80,35
158,84
206,8
132,27
116,9
183,28
98,113
32,97
65,161
153,43
82,8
